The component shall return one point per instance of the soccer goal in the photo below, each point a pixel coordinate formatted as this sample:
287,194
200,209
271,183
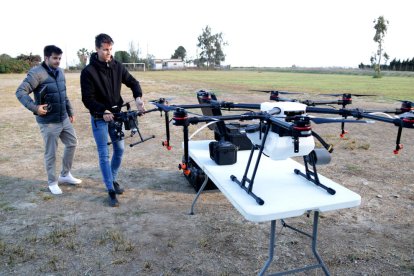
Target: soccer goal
135,66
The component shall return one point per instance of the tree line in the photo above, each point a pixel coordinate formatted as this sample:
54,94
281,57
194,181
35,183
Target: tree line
19,64
395,65
211,55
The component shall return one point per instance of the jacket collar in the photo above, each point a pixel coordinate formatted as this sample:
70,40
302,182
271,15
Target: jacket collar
53,72
95,61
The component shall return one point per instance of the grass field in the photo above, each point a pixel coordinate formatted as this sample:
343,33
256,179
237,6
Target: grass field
394,87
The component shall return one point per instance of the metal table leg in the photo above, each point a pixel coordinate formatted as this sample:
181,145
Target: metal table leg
271,247
314,237
314,243
198,194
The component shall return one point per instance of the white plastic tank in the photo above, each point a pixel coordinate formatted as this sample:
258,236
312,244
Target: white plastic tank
276,147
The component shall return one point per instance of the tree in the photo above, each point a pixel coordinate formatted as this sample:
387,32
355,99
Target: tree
20,64
180,52
33,60
381,25
134,52
83,55
123,56
211,46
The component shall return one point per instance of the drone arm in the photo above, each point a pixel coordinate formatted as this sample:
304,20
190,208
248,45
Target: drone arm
280,123
323,110
359,114
239,105
196,120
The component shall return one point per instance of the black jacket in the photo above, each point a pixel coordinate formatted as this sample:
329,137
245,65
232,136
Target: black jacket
53,89
101,85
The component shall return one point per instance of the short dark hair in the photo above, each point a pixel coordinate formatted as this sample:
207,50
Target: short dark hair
103,38
51,49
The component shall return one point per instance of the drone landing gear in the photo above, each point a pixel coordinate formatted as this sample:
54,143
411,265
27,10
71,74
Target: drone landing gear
142,140
242,183
245,179
317,156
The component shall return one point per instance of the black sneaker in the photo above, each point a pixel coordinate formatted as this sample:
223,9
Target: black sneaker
118,189
113,202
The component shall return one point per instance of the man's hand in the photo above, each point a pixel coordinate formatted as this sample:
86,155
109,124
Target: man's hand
108,116
140,105
41,109
72,119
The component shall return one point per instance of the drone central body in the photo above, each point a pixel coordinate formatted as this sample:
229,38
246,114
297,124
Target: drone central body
279,145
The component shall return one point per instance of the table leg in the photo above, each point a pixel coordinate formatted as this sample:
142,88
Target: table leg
271,247
314,243
198,194
314,238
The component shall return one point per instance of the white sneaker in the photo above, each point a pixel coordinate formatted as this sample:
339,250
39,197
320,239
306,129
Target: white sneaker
69,179
54,188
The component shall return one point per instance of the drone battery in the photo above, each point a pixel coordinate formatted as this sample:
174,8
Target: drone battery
235,136
223,152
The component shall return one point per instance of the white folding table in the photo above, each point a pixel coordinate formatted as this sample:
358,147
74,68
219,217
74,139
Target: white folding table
285,194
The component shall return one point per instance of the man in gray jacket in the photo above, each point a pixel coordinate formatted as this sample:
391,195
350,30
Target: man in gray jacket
54,114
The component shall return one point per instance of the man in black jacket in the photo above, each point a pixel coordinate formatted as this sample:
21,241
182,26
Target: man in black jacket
54,114
101,83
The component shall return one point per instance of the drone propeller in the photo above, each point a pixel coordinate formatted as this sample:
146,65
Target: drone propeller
349,95
406,106
163,107
275,91
161,100
403,101
275,95
338,120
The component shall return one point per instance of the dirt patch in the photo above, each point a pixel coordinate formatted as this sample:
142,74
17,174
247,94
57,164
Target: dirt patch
151,233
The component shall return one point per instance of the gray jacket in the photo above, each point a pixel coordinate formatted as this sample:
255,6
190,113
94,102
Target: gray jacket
47,89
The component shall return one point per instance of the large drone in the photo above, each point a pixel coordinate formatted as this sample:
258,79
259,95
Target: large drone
280,130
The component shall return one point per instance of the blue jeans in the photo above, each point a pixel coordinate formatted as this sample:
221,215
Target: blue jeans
109,169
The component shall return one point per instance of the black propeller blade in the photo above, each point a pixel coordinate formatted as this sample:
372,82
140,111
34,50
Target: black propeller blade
275,91
161,100
349,95
163,107
403,101
337,120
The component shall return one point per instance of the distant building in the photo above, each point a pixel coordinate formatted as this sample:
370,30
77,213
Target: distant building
157,64
168,64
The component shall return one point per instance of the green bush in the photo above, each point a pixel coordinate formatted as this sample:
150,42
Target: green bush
14,66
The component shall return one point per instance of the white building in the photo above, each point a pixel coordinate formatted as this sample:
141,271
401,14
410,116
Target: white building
157,64
168,64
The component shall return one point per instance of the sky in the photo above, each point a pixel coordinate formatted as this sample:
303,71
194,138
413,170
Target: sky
270,33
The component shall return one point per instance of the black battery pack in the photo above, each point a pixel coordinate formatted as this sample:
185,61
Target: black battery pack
223,152
235,136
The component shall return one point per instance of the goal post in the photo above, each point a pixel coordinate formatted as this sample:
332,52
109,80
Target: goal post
135,66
